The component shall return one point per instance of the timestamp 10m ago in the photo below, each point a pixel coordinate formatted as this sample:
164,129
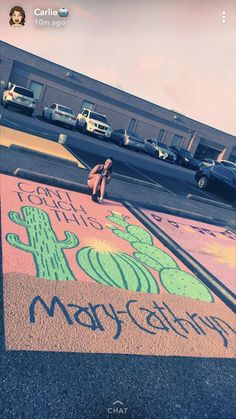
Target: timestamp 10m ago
49,23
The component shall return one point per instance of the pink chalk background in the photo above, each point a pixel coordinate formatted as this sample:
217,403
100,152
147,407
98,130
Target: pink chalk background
17,260
21,286
212,246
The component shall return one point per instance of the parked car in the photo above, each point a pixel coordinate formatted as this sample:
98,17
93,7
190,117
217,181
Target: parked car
206,162
151,147
95,123
126,138
171,156
185,158
19,97
218,178
210,162
59,113
228,163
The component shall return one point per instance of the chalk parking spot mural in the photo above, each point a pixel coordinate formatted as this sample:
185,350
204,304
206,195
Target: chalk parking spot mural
80,280
212,246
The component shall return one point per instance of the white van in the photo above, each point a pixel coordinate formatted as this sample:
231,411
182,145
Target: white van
19,97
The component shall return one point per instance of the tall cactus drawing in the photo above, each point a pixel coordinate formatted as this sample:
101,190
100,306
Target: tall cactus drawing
47,250
173,279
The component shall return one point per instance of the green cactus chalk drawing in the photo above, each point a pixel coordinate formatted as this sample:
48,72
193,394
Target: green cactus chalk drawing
153,257
47,250
182,283
118,219
108,266
173,279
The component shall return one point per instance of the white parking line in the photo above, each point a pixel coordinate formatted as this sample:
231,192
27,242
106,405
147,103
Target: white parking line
18,125
31,130
77,157
149,178
47,133
13,123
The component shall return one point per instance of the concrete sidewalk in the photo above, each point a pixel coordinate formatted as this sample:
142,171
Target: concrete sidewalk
10,138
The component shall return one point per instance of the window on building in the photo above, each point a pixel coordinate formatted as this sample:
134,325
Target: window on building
87,105
132,124
37,89
203,152
177,140
161,135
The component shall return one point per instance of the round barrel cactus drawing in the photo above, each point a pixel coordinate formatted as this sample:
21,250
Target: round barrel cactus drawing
108,266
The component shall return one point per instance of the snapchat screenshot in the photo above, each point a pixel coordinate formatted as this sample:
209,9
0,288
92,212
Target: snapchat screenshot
118,209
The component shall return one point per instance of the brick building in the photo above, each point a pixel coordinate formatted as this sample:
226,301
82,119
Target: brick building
53,83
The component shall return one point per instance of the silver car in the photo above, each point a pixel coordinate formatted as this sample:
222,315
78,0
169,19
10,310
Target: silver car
151,147
59,113
126,138
171,158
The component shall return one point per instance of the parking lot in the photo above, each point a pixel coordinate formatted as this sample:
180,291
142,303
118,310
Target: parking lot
92,150
54,378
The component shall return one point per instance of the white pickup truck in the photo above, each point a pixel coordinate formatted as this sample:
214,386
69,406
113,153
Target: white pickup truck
94,123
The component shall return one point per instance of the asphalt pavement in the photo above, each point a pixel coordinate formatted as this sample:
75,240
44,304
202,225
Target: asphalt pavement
49,385
181,182
92,150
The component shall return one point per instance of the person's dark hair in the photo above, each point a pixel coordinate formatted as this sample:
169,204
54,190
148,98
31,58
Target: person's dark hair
17,9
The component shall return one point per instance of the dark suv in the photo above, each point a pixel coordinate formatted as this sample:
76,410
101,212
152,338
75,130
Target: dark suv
218,178
185,158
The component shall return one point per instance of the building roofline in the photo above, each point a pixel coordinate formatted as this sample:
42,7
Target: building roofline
123,91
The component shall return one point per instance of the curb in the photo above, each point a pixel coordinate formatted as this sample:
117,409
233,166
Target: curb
80,187
209,201
31,175
179,213
155,186
45,156
59,183
50,180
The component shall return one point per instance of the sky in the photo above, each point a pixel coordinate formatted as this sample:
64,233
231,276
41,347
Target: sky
175,53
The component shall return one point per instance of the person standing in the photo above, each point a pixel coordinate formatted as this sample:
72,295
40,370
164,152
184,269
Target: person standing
98,178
